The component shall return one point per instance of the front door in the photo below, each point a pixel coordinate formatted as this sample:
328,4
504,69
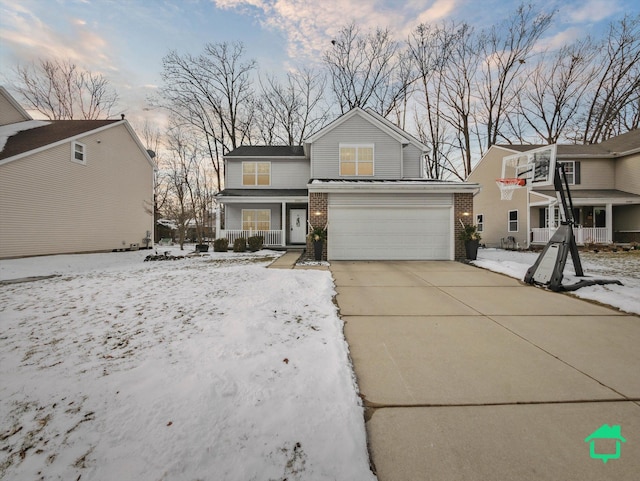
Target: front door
297,226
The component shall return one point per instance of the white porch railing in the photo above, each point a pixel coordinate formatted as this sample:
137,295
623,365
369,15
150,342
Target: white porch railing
584,235
271,237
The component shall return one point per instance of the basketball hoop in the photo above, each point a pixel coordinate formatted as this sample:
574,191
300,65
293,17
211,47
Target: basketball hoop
508,186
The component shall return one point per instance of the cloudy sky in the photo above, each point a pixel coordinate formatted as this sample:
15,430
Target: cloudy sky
126,39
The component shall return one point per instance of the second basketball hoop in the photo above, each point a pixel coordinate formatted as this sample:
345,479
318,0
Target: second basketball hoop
508,186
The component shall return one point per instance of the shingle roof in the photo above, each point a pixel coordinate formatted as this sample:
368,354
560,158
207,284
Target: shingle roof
267,151
609,148
263,193
57,130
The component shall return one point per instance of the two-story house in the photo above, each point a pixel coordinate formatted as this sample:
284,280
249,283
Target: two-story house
71,186
604,181
361,177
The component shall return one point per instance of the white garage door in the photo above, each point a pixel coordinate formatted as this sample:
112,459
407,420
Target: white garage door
390,227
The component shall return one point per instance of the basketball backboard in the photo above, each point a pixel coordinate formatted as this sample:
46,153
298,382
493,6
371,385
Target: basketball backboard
536,166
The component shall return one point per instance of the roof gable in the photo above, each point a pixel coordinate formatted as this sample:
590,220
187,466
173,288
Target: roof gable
17,108
46,135
374,119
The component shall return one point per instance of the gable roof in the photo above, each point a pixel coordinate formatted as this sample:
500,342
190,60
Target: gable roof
5,93
267,151
623,144
373,118
55,131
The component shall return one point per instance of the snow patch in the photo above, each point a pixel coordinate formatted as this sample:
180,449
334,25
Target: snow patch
10,130
207,367
624,267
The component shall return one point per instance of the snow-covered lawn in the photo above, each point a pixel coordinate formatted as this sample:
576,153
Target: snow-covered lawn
623,266
204,368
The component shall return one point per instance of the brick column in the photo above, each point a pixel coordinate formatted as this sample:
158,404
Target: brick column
318,217
462,202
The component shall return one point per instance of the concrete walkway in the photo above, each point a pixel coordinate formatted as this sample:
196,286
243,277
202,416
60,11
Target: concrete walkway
470,375
287,260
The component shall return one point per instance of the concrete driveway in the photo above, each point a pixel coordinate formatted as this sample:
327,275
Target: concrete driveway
470,375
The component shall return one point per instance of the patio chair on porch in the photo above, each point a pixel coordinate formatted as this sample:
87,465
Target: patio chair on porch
509,242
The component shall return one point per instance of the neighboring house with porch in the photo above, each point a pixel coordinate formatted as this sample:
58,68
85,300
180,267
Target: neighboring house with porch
71,186
362,177
604,181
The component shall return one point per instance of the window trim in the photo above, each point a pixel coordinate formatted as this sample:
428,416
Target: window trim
517,221
571,176
256,219
82,161
357,161
480,222
255,163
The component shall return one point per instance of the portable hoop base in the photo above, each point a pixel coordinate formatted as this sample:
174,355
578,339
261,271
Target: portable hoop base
508,186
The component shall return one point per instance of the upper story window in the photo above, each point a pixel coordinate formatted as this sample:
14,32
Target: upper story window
79,153
356,159
570,171
256,173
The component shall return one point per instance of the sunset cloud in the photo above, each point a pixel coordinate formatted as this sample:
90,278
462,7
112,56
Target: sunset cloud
310,26
30,38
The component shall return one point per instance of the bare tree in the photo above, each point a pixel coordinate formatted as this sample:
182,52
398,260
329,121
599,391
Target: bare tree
364,70
616,87
439,53
59,89
552,92
290,111
212,93
505,48
191,184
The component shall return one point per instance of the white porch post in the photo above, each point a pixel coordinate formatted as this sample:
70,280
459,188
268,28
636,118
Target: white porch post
217,233
283,224
609,222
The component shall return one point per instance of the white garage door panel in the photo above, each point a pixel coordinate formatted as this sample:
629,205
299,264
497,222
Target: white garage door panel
394,233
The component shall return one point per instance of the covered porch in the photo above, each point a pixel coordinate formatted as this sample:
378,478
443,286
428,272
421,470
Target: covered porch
280,220
600,217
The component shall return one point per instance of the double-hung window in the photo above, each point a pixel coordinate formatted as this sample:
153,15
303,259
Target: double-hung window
570,171
256,219
356,159
78,153
513,221
256,173
480,222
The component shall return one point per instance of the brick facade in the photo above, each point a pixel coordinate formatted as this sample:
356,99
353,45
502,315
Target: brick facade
318,217
462,203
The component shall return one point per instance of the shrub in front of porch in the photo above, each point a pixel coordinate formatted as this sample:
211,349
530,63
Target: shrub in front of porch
240,244
221,245
255,243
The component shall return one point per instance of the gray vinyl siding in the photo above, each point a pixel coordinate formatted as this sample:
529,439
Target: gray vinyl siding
411,158
596,174
51,205
285,174
233,214
628,174
356,130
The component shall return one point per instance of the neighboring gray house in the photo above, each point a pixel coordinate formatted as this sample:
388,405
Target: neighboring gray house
362,177
71,186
